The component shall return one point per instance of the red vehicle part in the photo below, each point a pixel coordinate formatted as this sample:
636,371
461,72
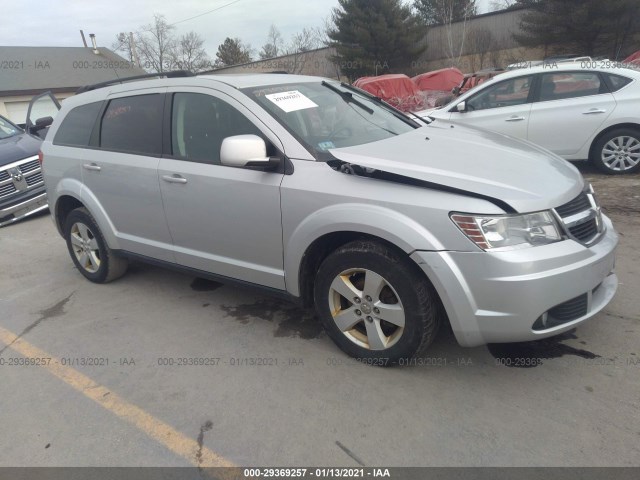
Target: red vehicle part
395,89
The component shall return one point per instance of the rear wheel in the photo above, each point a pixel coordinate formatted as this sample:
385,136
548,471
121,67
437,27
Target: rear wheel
618,152
375,304
89,251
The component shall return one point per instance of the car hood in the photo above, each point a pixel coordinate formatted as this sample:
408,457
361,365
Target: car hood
426,113
526,177
18,147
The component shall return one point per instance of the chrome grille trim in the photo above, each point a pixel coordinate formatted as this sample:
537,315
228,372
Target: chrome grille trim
30,166
31,171
581,218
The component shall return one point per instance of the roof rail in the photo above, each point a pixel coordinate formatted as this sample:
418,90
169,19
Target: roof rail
173,74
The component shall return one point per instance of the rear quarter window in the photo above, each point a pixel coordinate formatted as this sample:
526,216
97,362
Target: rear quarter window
77,126
616,82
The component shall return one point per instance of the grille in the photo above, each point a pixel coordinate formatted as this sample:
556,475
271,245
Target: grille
586,227
578,204
34,179
564,313
30,166
571,309
4,175
585,231
7,189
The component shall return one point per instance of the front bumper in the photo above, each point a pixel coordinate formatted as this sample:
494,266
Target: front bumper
16,208
497,297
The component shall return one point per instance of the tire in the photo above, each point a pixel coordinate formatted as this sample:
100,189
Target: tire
617,152
88,250
374,275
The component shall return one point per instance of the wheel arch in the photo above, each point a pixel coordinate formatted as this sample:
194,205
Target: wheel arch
333,226
617,126
64,206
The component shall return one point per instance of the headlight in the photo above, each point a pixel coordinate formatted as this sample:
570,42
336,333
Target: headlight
508,231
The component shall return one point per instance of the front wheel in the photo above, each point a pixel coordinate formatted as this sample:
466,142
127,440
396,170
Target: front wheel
618,152
88,250
375,304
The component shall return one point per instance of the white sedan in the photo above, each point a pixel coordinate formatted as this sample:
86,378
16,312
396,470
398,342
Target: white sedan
581,110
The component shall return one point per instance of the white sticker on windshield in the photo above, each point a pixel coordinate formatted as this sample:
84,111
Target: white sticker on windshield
291,101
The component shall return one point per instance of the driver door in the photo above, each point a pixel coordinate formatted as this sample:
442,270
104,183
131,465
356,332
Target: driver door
502,107
223,220
42,110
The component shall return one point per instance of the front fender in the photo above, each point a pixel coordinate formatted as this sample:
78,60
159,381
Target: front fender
389,225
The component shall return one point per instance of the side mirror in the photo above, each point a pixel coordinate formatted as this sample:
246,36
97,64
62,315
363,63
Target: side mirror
461,107
41,127
244,151
44,122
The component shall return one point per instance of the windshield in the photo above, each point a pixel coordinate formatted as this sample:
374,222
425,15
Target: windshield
8,129
326,115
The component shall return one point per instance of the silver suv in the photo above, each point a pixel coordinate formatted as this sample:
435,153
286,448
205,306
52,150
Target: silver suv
316,191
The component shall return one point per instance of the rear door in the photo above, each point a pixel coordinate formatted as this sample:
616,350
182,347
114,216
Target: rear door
569,109
503,107
121,172
223,220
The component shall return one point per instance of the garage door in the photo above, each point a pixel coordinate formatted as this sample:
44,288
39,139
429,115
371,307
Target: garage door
17,111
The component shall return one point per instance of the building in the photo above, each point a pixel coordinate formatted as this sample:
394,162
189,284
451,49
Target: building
29,71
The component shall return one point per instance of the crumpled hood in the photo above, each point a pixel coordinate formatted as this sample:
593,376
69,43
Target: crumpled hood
526,177
18,147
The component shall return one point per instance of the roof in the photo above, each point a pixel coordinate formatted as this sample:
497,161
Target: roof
31,70
245,80
590,66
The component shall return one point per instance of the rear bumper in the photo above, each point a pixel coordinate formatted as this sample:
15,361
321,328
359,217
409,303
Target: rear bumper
14,210
513,296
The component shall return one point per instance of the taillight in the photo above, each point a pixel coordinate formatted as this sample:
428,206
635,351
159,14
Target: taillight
40,157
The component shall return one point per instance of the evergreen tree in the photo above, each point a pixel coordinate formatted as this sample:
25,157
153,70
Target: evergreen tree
375,37
232,52
583,27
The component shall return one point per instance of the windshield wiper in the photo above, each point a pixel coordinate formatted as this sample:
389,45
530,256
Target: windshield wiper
397,113
347,97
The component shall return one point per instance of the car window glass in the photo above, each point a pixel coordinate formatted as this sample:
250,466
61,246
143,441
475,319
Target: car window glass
133,125
617,81
199,124
504,94
7,129
561,85
77,125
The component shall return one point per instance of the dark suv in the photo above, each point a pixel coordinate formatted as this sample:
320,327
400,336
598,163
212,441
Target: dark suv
21,184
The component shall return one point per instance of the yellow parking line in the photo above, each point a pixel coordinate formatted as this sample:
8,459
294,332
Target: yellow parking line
151,426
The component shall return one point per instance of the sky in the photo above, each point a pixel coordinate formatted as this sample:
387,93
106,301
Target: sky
58,22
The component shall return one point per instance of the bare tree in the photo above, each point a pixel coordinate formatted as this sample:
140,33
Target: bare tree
189,54
274,45
455,40
481,44
301,43
156,45
124,44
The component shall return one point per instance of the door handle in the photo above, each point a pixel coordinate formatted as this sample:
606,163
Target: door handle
594,111
175,178
92,166
514,119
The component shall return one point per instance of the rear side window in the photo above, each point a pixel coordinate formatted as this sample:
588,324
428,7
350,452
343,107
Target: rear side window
133,125
616,82
77,126
563,85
